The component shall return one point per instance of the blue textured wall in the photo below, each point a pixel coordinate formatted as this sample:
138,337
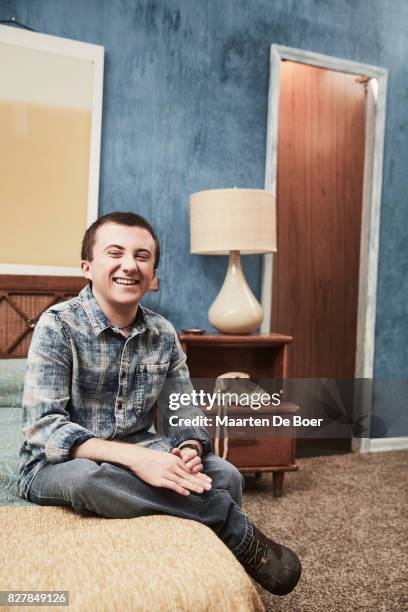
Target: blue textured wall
185,106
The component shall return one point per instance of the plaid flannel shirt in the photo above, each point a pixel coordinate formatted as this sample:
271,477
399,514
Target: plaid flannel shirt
84,379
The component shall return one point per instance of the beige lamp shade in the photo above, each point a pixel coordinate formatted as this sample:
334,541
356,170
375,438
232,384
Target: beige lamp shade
224,220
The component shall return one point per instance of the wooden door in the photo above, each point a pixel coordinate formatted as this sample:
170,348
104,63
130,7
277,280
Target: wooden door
319,204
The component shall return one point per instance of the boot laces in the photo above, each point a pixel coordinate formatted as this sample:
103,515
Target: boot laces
255,554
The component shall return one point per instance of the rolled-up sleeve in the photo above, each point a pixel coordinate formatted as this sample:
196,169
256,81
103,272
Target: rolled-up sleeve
46,418
178,382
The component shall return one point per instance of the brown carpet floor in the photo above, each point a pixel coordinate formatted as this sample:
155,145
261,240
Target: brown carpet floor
347,518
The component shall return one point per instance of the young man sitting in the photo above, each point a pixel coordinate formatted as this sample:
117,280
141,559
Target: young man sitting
97,366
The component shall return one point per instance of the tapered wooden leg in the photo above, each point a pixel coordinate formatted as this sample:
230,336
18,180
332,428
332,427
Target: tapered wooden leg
278,483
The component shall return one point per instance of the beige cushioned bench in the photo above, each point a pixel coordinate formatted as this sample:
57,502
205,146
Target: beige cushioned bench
155,563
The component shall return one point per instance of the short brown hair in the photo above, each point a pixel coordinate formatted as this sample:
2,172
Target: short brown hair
120,218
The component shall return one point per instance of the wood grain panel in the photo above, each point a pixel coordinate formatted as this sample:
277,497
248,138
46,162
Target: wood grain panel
319,203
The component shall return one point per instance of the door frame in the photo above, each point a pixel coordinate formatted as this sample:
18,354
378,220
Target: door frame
371,205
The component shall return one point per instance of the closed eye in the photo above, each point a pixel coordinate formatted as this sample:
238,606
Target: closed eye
142,256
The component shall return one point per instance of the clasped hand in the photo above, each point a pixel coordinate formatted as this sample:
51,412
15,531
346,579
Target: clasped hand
179,470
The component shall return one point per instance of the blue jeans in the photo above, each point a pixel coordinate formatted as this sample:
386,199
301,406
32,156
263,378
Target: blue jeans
116,492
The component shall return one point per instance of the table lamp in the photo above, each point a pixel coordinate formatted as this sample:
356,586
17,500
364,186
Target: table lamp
233,221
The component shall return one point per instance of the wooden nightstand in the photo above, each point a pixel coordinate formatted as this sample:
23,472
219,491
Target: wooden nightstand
262,357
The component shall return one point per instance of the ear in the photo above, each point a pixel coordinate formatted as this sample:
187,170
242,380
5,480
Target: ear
86,269
155,283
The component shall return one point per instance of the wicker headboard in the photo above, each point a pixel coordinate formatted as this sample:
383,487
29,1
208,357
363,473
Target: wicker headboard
22,300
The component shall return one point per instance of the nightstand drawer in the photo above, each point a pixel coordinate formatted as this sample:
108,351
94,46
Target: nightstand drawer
256,452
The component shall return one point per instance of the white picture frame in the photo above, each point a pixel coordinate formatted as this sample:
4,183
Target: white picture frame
64,49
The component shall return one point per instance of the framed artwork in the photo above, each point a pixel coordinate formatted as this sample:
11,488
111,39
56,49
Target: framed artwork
50,127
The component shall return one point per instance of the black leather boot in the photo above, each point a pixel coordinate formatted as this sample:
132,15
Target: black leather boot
275,567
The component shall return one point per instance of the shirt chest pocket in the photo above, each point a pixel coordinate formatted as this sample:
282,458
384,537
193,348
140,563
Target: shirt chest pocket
149,381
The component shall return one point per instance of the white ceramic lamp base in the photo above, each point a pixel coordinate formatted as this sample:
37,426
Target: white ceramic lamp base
235,309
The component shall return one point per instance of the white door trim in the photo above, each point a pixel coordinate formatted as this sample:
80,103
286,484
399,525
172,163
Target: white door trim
370,230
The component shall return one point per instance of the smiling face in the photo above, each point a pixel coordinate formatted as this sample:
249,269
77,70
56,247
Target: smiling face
122,267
